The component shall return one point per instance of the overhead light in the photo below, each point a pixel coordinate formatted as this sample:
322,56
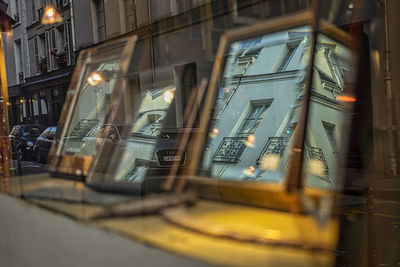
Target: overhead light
51,16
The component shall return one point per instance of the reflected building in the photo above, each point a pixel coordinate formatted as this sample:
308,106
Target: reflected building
258,102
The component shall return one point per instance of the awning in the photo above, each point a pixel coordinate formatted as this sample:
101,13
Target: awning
47,79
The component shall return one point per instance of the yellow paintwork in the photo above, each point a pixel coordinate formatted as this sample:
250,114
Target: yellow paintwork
158,232
155,231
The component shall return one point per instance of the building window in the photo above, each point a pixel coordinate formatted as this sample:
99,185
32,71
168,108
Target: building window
130,15
252,120
17,13
51,49
286,58
33,11
150,123
19,59
36,56
99,20
330,133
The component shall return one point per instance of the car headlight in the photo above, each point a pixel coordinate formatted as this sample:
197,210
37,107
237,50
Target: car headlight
29,143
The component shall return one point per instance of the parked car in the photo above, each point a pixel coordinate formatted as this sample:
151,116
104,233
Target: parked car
23,140
44,142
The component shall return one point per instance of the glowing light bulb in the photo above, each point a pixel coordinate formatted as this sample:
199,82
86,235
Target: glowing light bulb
94,79
169,96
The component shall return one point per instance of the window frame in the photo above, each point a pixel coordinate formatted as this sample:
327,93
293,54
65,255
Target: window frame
285,59
61,163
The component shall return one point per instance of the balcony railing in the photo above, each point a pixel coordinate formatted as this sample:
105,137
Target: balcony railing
317,154
230,149
21,77
275,145
16,17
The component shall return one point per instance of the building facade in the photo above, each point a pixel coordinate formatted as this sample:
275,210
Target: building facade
40,66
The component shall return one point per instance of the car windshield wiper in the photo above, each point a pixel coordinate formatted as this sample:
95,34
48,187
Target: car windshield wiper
152,204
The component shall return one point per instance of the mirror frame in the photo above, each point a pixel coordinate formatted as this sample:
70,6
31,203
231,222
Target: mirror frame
77,166
289,194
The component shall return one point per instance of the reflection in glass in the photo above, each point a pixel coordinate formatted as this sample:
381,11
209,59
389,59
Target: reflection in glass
150,141
326,113
256,110
97,85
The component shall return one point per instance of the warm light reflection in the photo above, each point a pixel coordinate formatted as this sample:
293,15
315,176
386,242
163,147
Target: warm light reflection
169,96
8,104
251,140
214,132
94,79
346,98
249,171
317,167
226,90
270,162
51,16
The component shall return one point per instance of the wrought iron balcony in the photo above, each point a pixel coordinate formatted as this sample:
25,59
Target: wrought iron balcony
16,17
21,77
275,145
230,149
317,154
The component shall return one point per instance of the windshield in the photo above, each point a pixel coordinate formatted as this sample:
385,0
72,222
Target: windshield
32,131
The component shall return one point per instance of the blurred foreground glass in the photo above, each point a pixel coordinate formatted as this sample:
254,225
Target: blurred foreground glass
325,125
96,83
148,141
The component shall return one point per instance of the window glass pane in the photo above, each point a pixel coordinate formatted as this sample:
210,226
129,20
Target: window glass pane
252,128
93,100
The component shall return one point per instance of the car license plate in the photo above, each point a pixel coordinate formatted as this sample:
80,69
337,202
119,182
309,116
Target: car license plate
172,158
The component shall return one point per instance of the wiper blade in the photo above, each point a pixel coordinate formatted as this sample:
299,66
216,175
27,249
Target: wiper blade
149,205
